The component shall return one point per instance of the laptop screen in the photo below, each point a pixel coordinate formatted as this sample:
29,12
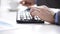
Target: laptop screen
49,3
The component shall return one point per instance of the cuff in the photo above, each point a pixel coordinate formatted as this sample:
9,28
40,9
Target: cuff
57,18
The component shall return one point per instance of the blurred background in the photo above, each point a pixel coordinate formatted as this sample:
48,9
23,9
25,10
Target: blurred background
8,13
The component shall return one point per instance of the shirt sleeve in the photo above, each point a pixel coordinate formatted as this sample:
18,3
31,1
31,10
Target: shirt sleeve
57,18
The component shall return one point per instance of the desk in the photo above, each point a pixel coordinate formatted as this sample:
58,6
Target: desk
28,28
10,18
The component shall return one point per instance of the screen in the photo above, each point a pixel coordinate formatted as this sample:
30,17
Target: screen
49,3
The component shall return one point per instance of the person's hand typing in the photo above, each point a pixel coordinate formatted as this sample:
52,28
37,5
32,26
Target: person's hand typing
43,12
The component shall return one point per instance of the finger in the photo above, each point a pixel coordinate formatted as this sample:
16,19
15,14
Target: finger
46,10
39,10
34,11
31,12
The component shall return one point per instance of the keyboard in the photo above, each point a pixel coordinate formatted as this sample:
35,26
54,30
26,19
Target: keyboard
24,17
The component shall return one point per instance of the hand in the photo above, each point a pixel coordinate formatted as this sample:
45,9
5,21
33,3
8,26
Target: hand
43,12
27,2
